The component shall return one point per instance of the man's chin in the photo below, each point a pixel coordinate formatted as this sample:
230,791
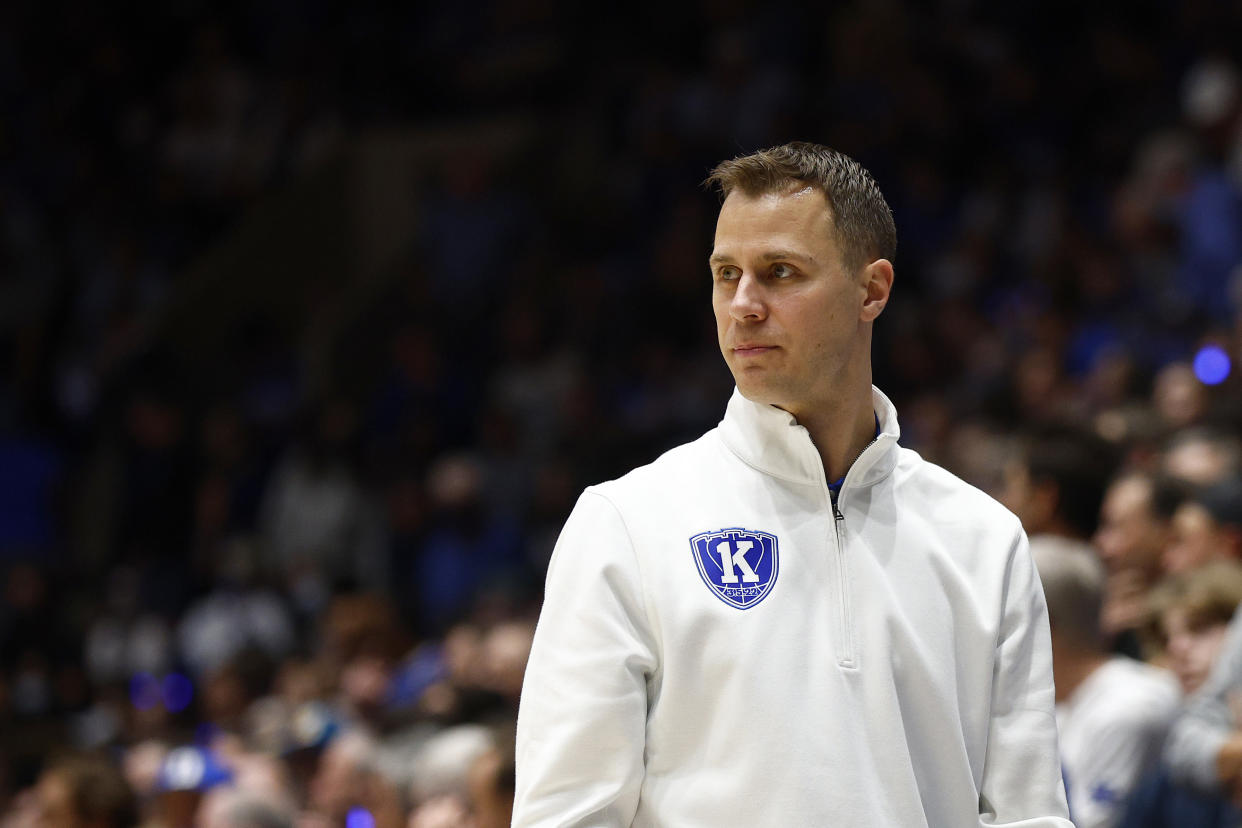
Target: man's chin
759,393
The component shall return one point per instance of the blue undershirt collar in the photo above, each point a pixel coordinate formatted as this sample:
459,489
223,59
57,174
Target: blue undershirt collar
834,488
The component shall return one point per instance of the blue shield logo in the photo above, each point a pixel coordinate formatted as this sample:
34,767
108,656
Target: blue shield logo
738,565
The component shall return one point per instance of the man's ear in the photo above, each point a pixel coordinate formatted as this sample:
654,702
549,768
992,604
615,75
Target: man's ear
877,280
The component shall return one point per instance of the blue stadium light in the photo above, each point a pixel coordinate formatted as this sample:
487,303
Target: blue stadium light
1212,365
359,818
178,692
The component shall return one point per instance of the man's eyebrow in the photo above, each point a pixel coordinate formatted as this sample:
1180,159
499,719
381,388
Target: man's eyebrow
769,256
774,255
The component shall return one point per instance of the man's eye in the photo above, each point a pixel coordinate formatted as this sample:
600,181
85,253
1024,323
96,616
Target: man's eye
728,274
781,271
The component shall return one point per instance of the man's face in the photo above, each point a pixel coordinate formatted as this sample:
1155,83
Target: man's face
789,316
1192,649
1130,535
1193,539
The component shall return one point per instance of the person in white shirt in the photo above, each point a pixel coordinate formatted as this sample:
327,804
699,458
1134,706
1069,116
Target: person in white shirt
792,621
1112,712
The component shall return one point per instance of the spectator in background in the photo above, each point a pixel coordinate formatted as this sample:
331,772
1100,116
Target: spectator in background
1133,532
236,809
1190,613
467,547
238,613
186,776
1202,455
1207,526
1205,745
491,783
1056,482
442,767
85,792
319,526
1112,711
1177,396
1210,218
343,778
1199,777
465,779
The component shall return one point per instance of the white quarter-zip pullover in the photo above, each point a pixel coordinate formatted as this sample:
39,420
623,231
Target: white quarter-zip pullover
719,646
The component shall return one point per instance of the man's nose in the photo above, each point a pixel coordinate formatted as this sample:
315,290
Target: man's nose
749,303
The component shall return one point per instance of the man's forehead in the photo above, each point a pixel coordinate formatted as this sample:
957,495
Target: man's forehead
796,192
788,222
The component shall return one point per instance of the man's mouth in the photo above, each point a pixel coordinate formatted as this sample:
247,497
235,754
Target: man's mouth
752,349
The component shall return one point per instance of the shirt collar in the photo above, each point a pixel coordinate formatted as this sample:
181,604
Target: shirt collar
771,440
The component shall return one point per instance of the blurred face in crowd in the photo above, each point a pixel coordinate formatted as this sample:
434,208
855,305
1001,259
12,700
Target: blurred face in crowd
1192,648
1178,396
55,803
791,319
339,780
1198,462
1034,505
1193,539
142,765
1130,536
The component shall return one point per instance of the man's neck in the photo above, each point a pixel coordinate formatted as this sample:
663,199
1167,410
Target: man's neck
839,447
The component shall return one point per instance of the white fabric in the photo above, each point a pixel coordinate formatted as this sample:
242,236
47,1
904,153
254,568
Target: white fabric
1112,730
898,673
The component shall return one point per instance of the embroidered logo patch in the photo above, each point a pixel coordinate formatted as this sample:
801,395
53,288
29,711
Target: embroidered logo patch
739,565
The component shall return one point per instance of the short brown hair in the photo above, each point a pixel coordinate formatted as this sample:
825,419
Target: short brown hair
1208,594
861,216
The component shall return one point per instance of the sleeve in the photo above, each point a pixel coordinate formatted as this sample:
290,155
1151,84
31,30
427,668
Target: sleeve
1207,721
582,717
1022,769
1123,748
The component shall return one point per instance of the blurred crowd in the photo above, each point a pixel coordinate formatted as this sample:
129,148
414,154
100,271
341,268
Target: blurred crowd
233,599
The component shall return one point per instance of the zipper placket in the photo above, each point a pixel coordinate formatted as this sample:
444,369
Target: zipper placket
847,657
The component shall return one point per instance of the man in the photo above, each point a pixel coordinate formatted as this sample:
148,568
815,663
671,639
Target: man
1206,527
792,621
1190,615
1204,750
1133,533
1112,711
1056,480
